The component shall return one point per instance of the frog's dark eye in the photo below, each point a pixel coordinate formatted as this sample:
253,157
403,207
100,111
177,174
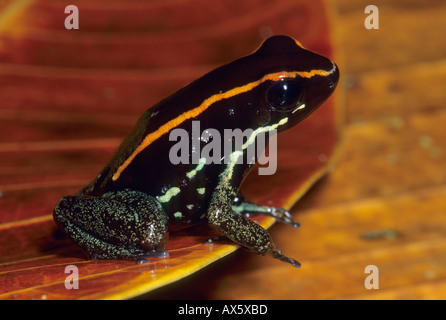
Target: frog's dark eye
284,95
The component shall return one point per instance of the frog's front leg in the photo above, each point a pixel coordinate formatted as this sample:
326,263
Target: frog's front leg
248,208
242,230
125,224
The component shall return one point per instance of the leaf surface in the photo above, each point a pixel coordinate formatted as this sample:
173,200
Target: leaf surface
70,96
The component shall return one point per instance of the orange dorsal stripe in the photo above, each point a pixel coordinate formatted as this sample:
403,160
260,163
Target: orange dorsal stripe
206,104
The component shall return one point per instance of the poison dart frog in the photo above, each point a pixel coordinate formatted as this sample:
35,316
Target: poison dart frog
140,195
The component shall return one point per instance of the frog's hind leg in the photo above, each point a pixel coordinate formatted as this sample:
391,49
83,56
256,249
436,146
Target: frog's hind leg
126,224
95,247
247,208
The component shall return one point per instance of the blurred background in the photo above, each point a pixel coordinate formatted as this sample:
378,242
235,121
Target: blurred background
71,96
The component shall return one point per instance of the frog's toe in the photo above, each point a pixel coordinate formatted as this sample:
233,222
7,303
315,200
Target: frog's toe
157,254
153,254
280,211
283,215
278,214
277,254
249,209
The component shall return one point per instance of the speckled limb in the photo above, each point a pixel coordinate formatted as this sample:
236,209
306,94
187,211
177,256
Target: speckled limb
242,230
119,225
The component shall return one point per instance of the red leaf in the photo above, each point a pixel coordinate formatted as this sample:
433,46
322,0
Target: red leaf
70,96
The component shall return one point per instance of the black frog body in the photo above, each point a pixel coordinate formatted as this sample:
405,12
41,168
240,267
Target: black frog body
140,195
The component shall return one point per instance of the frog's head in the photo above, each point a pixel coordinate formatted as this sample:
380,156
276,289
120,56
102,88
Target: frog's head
294,81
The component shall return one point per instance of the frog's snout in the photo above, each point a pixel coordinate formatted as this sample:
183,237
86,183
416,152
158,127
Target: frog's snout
333,78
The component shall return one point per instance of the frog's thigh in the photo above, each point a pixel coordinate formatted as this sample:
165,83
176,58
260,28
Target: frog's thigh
118,225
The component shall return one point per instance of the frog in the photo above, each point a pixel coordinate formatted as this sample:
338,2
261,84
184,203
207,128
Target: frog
140,197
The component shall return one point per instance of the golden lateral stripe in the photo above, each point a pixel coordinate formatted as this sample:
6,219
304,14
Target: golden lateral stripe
206,104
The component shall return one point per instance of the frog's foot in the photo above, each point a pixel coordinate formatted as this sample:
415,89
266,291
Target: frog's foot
215,239
248,209
153,254
279,214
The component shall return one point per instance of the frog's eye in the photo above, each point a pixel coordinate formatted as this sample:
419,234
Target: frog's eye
284,95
